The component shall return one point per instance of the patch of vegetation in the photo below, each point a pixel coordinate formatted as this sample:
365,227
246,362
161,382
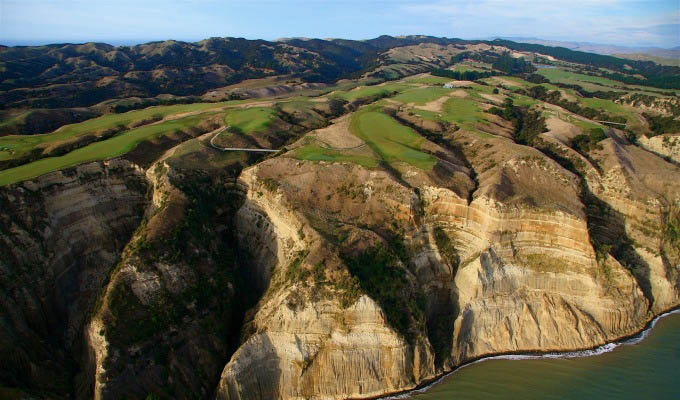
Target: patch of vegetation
585,143
318,153
671,232
539,92
528,124
380,276
213,265
447,247
296,271
511,65
124,307
469,75
659,124
543,262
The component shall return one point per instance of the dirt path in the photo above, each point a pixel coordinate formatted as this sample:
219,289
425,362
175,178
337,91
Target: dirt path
222,129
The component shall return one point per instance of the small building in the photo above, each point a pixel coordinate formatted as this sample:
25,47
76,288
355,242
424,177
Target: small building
449,85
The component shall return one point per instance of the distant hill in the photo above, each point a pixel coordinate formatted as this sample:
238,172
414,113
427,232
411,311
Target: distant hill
608,49
82,75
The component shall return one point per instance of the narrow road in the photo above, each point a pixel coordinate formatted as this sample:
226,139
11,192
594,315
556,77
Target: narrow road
236,148
608,122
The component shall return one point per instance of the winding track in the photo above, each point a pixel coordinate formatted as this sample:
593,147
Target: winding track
237,148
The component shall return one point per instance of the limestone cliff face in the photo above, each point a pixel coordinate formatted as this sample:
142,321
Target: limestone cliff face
321,280
302,340
506,266
61,235
664,145
639,194
169,315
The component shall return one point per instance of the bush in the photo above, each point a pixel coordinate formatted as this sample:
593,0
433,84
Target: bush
659,124
381,277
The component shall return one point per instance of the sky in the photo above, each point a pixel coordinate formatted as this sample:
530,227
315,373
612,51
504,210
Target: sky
620,22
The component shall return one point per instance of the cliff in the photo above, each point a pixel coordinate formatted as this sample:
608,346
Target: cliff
61,236
529,257
211,274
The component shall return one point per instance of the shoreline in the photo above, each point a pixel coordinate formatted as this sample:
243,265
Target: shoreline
633,339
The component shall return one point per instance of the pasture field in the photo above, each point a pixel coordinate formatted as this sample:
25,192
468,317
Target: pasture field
389,139
102,150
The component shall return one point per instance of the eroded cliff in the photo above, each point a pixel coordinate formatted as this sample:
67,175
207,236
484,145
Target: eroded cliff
61,236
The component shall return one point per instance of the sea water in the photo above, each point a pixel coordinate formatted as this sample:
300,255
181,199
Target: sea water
644,367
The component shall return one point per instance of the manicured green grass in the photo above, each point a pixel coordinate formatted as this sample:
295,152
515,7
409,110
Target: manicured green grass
430,80
421,95
20,145
251,120
389,139
426,114
463,112
318,153
368,91
105,149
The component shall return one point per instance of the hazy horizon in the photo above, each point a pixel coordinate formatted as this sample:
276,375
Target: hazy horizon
133,42
630,23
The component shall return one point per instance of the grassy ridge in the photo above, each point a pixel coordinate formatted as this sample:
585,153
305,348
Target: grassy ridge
21,144
102,150
318,153
421,95
251,120
369,91
389,139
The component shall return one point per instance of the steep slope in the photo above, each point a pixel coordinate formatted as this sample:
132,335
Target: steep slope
61,234
425,229
454,273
